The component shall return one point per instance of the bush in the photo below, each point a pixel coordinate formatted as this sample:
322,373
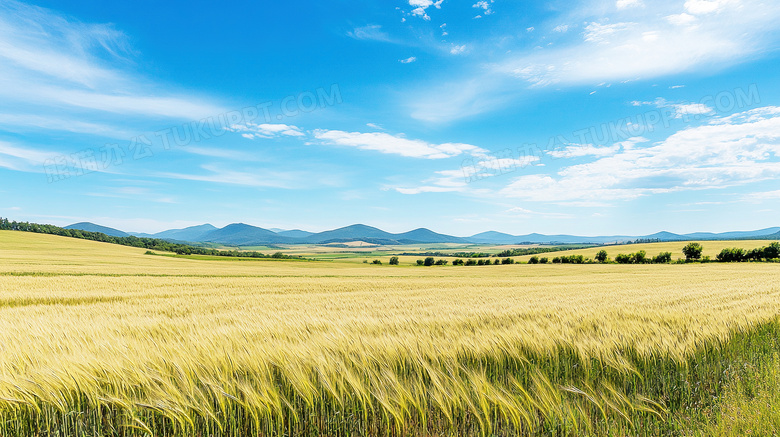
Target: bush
420,262
732,255
772,251
601,256
471,262
663,258
533,260
457,262
543,260
692,251
496,262
507,261
639,257
376,261
556,260
623,258
429,261
441,262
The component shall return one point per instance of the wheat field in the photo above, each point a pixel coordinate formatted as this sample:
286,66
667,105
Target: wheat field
97,339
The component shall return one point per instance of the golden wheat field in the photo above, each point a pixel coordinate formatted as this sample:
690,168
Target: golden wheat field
97,339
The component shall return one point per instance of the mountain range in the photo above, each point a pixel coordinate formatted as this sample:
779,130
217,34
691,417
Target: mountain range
240,234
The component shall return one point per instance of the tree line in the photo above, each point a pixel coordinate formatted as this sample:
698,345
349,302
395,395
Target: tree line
132,241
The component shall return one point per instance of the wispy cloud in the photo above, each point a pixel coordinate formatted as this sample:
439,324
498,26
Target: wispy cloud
393,144
52,60
265,130
408,60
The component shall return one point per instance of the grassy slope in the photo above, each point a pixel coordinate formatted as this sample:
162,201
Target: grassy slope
298,311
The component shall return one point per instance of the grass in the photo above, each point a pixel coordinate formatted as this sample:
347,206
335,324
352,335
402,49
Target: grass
103,340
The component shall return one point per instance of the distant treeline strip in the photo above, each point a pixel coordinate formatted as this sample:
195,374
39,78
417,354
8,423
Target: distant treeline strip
142,242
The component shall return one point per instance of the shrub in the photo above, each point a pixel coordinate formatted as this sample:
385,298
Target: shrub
639,257
543,260
732,254
393,260
623,258
457,262
772,251
496,262
556,260
471,262
429,261
149,252
376,261
420,262
692,251
663,258
601,256
441,262
507,261
533,260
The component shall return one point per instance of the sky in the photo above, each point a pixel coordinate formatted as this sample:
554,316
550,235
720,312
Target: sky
577,117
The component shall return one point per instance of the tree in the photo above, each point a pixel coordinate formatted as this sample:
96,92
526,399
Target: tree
556,260
692,251
663,258
393,260
457,262
429,261
733,254
622,258
420,262
601,256
507,261
639,257
772,251
441,262
543,260
471,262
376,261
533,260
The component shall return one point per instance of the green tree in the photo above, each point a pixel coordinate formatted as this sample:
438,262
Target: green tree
601,256
393,260
420,262
376,261
692,251
533,260
663,258
772,251
429,261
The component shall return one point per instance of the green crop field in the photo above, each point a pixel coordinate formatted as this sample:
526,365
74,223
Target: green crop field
105,340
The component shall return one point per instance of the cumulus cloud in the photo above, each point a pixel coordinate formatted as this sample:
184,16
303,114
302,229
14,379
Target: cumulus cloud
732,151
421,7
408,60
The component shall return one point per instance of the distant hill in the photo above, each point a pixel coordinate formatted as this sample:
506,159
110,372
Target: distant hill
240,234
295,233
374,235
192,233
91,227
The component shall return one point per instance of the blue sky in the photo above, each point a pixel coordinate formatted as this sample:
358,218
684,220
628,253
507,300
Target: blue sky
590,117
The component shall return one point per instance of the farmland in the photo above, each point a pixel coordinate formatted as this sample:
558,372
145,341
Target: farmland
98,339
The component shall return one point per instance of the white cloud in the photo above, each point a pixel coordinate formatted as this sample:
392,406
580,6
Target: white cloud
457,50
486,6
397,145
408,60
731,152
580,150
596,32
697,7
371,32
48,60
561,28
421,7
265,130
530,29
682,19
681,110
625,4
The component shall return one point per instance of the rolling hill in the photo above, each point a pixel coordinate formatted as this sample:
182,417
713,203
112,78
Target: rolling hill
91,227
